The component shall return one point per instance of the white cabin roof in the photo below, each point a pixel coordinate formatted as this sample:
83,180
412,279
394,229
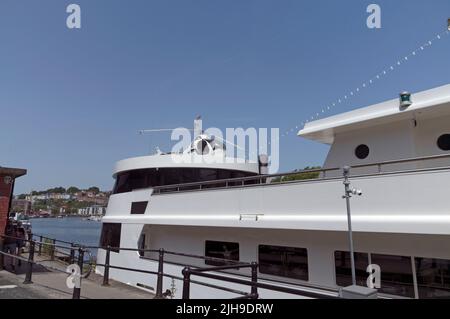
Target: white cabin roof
430,103
179,160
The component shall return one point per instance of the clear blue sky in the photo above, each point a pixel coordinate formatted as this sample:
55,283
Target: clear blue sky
71,101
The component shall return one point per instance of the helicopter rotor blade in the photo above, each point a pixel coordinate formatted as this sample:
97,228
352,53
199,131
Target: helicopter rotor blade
225,141
158,130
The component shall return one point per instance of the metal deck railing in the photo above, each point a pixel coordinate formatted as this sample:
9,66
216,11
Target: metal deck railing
277,179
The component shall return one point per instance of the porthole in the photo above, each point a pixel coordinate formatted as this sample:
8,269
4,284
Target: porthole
443,142
362,151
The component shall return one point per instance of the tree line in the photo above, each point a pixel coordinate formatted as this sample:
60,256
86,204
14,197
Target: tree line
62,190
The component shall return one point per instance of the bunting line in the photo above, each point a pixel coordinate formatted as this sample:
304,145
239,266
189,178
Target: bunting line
367,84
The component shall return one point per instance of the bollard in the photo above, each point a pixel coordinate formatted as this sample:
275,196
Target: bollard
52,251
186,282
106,272
30,264
77,291
40,246
1,255
72,253
159,284
254,290
15,263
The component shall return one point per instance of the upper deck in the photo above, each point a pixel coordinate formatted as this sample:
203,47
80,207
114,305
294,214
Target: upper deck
404,175
184,161
426,105
408,201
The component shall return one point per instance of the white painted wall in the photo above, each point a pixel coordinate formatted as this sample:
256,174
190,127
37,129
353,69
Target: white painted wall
426,135
320,245
399,140
397,203
386,142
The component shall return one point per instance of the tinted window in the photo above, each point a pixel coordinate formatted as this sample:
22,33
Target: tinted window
343,268
396,274
444,142
362,151
222,250
283,261
433,277
122,184
110,235
138,207
141,245
144,178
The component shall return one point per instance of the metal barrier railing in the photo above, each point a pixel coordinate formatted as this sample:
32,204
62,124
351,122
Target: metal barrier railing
254,284
53,249
160,273
187,273
203,272
68,248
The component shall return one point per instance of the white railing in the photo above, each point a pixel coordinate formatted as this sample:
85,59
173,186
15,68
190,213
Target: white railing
282,178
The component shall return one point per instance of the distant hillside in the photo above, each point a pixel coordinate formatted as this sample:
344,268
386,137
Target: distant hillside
61,190
59,200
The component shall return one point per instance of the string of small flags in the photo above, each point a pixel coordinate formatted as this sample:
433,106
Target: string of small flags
368,83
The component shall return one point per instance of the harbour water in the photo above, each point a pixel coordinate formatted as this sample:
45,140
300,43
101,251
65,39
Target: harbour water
71,229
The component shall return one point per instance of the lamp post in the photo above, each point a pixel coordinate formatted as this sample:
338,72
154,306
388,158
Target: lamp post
348,194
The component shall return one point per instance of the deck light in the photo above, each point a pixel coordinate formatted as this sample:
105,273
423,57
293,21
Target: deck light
405,99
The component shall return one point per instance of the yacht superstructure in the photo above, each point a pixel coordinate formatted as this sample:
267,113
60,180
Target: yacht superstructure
296,228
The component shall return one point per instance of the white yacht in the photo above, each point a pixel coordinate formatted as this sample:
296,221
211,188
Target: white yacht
399,154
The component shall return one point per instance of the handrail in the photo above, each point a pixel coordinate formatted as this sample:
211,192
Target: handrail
292,291
175,277
197,271
254,284
56,240
239,182
156,189
71,248
405,160
30,260
203,257
226,267
305,285
168,253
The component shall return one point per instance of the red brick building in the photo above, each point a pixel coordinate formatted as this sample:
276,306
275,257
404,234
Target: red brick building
7,180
